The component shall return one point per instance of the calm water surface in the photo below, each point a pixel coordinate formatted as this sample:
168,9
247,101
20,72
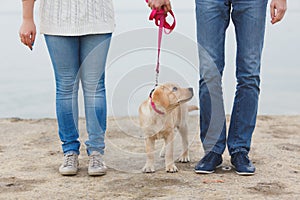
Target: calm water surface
26,78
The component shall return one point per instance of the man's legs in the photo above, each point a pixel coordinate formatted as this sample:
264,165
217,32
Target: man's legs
249,19
212,21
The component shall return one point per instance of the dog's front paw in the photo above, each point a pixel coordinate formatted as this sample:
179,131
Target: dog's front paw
184,159
171,168
148,169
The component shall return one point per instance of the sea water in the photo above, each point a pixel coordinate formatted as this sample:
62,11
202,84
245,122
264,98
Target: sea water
27,88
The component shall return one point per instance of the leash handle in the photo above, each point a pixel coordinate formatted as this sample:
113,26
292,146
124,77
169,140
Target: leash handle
160,20
157,16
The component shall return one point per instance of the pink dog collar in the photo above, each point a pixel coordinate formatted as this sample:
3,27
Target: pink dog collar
153,104
154,107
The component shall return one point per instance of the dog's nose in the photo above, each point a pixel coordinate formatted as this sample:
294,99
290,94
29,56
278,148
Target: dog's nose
191,90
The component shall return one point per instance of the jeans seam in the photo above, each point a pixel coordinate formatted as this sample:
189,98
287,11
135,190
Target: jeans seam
236,124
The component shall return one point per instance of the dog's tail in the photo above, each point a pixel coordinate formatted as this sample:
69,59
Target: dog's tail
192,108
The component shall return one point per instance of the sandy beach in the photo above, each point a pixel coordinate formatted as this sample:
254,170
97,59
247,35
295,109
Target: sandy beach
30,154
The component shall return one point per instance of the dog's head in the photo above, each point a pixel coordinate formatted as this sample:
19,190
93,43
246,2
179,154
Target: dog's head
170,95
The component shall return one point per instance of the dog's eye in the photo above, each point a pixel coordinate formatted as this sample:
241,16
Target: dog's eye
174,89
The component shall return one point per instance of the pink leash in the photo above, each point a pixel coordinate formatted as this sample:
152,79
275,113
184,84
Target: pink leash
160,20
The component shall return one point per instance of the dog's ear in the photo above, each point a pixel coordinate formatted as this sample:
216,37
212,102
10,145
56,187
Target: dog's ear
160,98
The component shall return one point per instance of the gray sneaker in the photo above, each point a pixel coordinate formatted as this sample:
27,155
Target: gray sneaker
96,165
70,164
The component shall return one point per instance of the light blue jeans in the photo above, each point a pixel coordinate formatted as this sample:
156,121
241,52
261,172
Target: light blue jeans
74,59
213,17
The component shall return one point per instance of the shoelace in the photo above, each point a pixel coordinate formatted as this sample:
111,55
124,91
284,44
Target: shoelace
96,161
241,158
70,160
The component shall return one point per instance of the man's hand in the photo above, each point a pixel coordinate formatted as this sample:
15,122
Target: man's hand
160,4
277,9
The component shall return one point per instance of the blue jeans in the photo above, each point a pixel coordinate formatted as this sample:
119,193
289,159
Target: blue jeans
74,59
213,17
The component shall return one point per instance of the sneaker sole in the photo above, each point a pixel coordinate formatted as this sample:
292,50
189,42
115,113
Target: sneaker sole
68,173
206,172
203,172
245,173
96,173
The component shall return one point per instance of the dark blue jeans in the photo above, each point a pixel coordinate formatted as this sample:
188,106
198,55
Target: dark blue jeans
74,59
213,17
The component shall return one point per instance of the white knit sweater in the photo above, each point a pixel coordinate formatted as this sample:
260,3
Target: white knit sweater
76,17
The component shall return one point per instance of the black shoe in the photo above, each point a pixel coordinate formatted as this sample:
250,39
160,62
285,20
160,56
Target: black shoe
242,163
209,163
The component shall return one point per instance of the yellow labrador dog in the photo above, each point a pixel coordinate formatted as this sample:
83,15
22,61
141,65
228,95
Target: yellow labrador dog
164,111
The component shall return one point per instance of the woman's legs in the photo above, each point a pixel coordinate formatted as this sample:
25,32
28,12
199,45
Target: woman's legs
93,54
64,53
84,58
74,58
